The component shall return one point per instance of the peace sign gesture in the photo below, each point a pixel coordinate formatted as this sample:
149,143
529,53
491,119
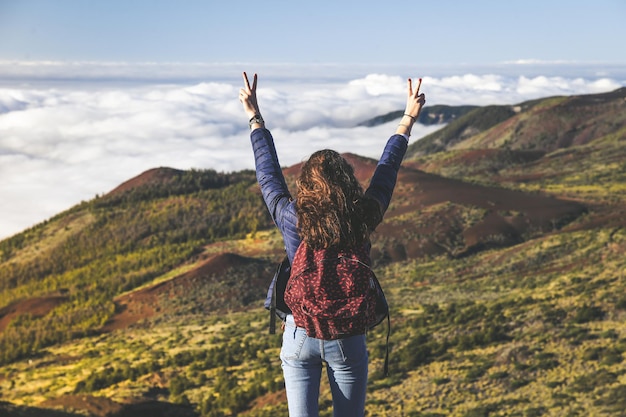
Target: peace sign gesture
414,103
247,96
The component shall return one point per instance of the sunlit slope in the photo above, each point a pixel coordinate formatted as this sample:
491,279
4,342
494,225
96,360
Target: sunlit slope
501,254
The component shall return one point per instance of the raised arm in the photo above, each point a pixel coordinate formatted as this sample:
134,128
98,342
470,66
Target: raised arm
268,171
384,179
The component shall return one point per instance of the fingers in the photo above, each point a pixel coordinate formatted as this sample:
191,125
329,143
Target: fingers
410,88
246,83
247,94
243,92
411,93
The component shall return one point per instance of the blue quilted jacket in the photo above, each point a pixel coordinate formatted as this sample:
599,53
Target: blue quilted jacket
282,206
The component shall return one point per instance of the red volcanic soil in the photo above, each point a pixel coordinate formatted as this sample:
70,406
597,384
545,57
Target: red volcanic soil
363,167
509,216
224,281
104,407
155,176
486,161
428,189
36,307
272,398
93,406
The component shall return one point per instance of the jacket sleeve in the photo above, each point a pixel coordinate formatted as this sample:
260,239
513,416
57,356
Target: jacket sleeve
274,189
384,179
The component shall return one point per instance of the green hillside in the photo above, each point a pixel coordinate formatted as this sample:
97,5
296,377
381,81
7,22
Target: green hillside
80,260
502,256
549,124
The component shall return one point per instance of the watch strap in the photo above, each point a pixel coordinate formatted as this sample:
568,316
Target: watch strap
255,119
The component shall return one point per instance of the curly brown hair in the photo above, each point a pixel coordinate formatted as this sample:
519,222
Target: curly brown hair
331,206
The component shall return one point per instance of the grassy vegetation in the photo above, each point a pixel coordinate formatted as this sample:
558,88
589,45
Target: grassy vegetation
535,329
114,244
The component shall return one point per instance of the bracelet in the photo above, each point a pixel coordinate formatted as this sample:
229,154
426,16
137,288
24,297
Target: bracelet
255,119
412,118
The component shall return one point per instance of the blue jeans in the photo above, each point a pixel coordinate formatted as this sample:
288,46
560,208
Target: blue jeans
302,358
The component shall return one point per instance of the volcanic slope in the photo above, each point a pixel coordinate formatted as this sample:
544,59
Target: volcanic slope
430,216
505,276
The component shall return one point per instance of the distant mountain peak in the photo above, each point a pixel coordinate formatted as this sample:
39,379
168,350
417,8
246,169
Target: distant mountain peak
430,115
154,176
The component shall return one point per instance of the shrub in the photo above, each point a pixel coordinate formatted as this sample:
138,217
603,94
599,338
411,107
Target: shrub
588,313
589,382
482,411
615,399
441,381
535,412
576,334
518,383
545,361
553,315
477,371
621,304
178,385
499,375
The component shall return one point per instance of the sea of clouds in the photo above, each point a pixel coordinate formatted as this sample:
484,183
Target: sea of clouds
69,131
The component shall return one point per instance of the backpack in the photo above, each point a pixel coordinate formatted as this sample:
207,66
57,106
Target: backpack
331,293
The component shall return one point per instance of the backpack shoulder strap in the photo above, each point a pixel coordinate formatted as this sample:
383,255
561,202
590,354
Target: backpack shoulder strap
272,303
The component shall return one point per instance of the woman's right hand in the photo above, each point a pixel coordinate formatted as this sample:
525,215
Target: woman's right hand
414,103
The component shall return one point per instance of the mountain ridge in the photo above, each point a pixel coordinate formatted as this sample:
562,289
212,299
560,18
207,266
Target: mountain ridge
480,124
438,114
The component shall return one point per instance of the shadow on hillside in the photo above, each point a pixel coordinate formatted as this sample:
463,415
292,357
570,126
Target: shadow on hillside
10,410
155,409
150,408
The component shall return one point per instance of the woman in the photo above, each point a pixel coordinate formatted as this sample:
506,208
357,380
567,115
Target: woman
330,210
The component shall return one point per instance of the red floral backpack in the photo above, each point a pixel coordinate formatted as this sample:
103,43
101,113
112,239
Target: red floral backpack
333,293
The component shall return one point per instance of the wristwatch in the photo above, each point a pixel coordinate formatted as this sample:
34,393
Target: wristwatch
256,119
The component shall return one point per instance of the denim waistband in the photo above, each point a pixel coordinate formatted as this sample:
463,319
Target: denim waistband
289,321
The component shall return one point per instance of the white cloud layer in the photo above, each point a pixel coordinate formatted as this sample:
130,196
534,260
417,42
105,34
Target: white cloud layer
62,142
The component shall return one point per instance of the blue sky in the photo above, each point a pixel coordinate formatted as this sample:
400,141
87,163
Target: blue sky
321,31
